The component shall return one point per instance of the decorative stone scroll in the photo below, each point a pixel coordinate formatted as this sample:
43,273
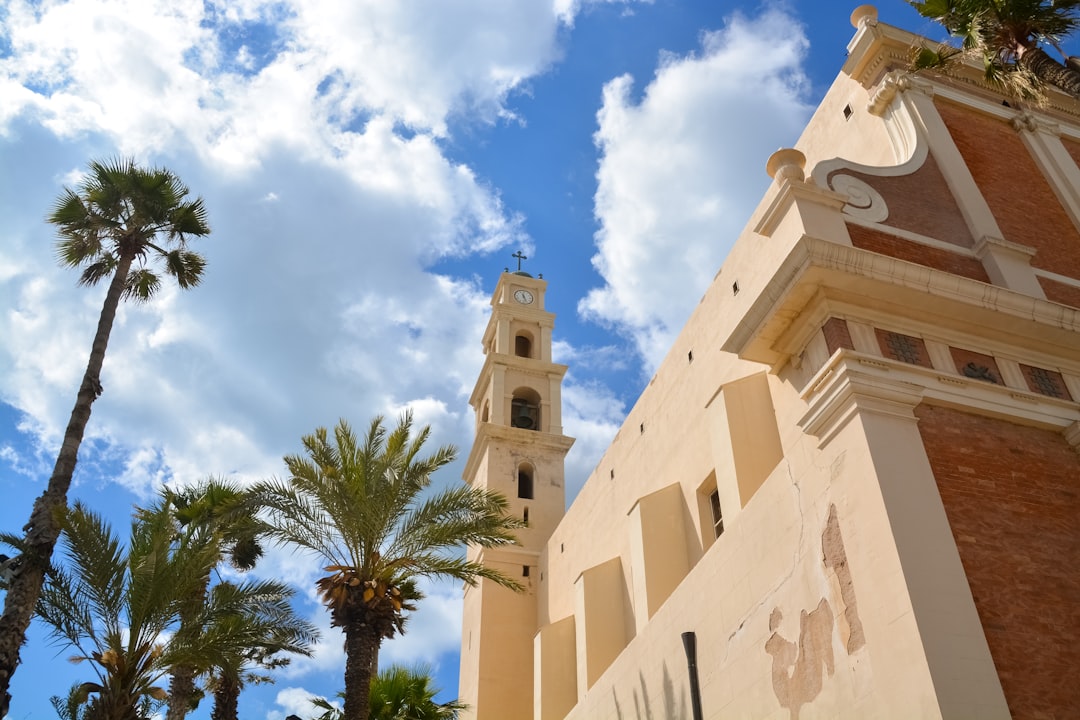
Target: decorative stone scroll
864,202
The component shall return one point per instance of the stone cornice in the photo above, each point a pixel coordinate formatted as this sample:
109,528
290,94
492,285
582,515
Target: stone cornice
987,243
840,390
878,49
853,382
908,289
788,195
526,366
487,433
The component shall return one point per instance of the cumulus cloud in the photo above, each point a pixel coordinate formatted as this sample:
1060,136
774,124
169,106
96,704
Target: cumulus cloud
682,167
296,701
231,79
592,414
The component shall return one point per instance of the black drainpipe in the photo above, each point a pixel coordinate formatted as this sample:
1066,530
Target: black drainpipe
689,641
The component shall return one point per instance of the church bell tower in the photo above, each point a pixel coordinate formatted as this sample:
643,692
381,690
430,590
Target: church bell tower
518,451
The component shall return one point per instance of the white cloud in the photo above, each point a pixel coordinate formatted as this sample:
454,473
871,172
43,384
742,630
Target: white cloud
567,10
432,632
162,73
682,168
295,701
591,415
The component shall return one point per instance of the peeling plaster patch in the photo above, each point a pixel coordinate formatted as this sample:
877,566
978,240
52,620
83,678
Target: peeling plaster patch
834,557
797,667
797,675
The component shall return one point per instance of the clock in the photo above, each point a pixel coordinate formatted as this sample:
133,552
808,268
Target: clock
523,296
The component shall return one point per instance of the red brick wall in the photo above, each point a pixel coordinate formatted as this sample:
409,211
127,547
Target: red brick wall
1073,149
1012,496
897,247
1024,205
837,334
1060,292
921,203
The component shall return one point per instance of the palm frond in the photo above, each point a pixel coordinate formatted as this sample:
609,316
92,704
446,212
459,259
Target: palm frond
117,211
360,503
142,284
97,562
1000,34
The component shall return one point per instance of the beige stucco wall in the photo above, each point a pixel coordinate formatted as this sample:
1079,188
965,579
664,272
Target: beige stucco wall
783,628
836,589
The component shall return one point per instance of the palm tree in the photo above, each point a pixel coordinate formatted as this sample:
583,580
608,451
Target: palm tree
215,515
259,629
76,707
358,506
121,218
116,607
399,693
1007,37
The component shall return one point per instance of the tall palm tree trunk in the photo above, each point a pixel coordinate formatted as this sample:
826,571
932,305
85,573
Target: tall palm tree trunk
181,688
182,677
42,531
226,699
361,643
1050,71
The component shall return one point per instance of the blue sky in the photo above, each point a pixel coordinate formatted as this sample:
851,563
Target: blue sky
369,170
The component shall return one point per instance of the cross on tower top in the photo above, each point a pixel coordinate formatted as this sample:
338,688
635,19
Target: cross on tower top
520,256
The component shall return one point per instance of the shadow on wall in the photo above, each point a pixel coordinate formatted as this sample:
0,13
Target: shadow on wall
671,708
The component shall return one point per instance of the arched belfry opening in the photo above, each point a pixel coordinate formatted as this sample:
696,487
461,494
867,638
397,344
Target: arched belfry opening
525,409
523,345
525,481
484,414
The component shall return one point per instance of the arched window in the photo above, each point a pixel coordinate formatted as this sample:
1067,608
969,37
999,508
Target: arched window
523,345
484,413
525,482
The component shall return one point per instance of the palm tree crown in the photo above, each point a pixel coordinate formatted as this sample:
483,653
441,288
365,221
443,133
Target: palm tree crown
114,220
399,693
116,607
212,516
360,505
257,629
1007,37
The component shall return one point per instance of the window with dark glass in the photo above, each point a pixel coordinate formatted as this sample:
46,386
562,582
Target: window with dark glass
717,515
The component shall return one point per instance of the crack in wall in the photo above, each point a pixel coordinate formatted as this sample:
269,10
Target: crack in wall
796,557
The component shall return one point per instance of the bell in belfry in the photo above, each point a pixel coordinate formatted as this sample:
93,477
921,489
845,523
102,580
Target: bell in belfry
523,419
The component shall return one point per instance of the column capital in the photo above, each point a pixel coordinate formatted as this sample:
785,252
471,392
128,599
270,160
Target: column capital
894,83
845,389
1029,122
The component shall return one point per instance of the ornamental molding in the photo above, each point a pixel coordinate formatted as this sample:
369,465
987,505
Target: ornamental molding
864,202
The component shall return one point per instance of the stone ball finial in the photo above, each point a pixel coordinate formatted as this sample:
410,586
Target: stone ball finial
786,164
863,15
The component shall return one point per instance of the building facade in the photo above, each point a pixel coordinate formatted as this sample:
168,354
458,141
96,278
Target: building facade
856,475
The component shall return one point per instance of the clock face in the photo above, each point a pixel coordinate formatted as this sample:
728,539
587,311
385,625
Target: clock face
523,296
